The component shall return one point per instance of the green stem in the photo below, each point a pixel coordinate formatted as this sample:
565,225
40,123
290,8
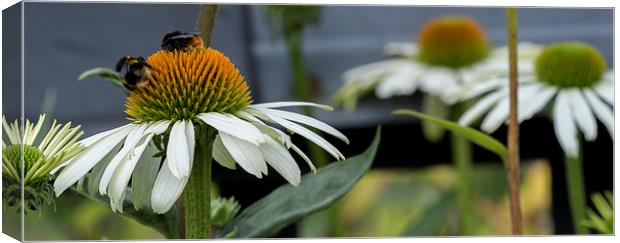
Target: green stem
576,192
513,162
462,158
197,194
206,22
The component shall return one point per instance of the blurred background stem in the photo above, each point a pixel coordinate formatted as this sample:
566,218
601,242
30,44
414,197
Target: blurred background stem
302,87
512,165
462,158
206,22
576,192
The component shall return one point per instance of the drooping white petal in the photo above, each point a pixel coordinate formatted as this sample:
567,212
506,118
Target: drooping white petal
249,117
246,154
221,155
123,172
373,71
581,113
601,110
496,116
529,107
144,176
281,160
94,138
441,82
400,82
405,49
500,113
178,149
306,120
292,103
476,89
304,157
166,190
81,164
481,107
606,91
276,134
293,127
130,142
233,125
564,126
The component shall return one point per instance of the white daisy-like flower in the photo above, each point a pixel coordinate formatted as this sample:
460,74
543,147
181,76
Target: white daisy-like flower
187,88
569,77
450,52
37,154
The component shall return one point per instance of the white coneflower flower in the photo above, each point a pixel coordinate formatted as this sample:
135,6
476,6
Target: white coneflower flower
449,52
570,77
186,88
41,153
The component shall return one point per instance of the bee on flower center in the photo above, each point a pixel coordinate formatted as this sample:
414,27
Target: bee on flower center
181,41
134,70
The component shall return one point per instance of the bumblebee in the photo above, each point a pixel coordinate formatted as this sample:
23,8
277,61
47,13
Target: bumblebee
134,71
181,41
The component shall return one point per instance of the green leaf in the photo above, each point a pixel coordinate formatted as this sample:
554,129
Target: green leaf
288,204
477,137
167,224
105,73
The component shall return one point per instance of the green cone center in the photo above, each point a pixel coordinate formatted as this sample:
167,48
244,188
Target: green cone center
452,42
570,64
13,155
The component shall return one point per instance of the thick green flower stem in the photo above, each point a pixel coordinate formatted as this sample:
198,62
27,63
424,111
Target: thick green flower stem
576,192
462,158
197,194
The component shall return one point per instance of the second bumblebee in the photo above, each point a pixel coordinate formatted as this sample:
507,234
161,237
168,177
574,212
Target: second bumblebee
135,71
181,41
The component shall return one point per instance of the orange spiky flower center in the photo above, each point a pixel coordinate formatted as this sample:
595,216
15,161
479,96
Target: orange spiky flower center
184,84
452,42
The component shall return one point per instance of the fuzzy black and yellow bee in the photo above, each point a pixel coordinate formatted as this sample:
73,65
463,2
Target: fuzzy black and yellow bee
181,41
135,71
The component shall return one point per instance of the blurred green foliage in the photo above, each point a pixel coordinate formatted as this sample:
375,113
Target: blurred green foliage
404,202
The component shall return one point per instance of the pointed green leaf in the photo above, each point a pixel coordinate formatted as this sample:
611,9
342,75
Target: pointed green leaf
288,204
475,136
105,73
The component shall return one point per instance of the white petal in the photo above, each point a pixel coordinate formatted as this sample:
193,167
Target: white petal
158,127
529,107
478,88
281,160
144,176
249,117
132,139
82,163
582,114
406,49
601,110
304,157
606,91
166,190
221,155
497,116
400,82
373,71
306,120
441,82
233,125
178,149
94,138
247,155
123,172
318,140
292,103
481,107
564,126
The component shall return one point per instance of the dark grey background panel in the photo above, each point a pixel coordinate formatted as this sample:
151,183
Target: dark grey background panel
64,39
11,62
